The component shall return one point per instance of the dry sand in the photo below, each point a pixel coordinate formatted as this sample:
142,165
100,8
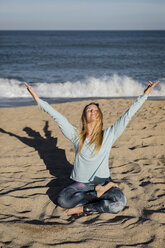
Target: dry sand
35,163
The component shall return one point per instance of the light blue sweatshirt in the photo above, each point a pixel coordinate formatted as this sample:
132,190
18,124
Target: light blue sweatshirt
87,167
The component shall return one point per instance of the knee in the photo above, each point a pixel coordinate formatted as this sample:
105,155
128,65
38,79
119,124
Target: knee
121,204
121,198
124,201
59,200
63,202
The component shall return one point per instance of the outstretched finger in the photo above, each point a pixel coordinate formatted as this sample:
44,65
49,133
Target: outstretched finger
156,83
26,84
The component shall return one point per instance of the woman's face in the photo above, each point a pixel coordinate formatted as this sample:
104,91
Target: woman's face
92,113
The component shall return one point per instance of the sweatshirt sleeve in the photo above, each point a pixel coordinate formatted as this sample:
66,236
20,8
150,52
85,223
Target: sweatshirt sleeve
69,131
122,122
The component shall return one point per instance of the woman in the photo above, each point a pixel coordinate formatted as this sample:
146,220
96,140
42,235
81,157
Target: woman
93,189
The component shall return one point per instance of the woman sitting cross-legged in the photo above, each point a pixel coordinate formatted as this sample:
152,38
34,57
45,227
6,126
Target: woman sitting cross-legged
92,189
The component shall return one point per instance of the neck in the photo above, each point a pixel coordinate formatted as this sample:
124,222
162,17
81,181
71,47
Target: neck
90,127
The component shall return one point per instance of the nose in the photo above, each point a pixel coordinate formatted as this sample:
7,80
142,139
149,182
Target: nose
93,111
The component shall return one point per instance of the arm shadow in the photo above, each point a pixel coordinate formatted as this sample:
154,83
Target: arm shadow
53,157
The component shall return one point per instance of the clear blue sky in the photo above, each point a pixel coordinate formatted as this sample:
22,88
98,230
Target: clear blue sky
82,14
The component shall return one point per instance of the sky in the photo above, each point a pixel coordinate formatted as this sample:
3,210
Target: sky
82,14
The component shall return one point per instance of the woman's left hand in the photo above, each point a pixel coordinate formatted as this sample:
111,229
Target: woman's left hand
149,87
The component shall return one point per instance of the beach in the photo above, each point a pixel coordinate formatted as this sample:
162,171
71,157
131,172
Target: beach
36,161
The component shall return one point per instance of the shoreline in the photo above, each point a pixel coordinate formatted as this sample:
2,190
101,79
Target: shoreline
22,102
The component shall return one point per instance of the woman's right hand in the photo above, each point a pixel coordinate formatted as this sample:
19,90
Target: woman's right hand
32,92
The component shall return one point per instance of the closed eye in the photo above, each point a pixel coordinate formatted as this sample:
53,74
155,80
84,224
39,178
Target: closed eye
92,110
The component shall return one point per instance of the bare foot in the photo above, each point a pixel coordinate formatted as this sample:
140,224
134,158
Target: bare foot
102,189
77,210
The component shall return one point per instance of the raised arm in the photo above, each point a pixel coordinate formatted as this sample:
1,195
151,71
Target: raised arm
122,122
67,129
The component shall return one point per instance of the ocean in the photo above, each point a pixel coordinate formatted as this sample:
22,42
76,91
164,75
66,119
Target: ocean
73,65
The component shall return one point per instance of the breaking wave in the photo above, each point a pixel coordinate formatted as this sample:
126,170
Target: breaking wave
115,86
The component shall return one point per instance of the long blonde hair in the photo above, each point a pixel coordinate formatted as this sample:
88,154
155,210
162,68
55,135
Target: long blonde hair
97,135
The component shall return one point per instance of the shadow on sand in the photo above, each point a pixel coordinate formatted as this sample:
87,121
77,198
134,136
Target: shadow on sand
53,157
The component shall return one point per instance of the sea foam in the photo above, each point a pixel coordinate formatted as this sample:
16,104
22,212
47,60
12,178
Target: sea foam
114,86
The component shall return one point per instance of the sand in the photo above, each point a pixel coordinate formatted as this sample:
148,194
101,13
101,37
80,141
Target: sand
35,164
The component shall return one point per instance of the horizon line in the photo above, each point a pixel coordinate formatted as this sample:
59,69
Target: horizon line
82,29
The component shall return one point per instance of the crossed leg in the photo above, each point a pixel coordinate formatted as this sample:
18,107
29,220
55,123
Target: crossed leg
80,197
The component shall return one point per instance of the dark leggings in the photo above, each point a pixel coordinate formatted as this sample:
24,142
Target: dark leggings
84,194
